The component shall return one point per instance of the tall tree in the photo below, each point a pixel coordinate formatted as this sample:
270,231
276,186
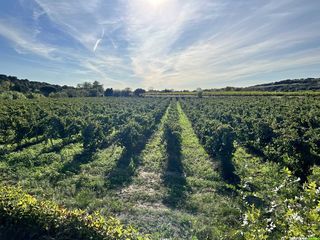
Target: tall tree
139,92
108,92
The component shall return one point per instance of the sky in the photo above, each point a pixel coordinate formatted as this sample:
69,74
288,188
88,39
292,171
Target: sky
180,44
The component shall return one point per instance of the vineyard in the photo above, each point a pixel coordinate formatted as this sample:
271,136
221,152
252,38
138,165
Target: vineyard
224,167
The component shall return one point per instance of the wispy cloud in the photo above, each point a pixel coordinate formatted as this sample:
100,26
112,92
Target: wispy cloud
171,43
25,41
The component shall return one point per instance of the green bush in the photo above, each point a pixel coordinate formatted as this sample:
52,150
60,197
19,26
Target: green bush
11,95
297,216
24,217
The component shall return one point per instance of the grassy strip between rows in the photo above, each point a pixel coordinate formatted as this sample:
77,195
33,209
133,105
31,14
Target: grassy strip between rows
24,217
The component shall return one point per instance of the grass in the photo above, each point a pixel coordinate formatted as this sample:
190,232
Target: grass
208,199
196,161
143,198
207,210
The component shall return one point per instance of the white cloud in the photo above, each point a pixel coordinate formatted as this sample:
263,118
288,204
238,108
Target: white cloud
24,41
243,47
174,43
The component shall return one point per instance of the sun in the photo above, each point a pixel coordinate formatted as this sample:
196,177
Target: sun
156,3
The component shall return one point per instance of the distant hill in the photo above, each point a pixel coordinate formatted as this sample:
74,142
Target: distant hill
12,83
288,85
11,88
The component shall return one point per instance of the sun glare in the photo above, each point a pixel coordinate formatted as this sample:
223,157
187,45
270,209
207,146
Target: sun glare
156,3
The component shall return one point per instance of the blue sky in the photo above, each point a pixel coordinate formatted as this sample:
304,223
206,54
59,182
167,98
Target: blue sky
181,44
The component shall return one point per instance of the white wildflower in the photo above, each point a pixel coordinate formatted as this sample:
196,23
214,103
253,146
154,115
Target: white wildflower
297,218
297,180
276,189
245,220
271,226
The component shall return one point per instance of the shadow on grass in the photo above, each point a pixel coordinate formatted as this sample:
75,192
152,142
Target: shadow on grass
21,147
134,144
82,158
174,178
127,164
124,170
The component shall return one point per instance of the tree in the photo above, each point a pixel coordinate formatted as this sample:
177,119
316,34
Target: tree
126,92
116,93
87,85
46,90
228,89
139,92
199,92
93,93
20,88
108,92
71,92
5,85
98,88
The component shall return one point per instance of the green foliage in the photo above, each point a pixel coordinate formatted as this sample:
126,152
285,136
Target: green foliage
11,95
274,206
93,136
35,96
139,92
102,154
200,94
22,216
286,218
283,130
315,175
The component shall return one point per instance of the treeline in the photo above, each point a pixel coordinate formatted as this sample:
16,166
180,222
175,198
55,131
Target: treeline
286,86
96,89
12,83
13,88
289,85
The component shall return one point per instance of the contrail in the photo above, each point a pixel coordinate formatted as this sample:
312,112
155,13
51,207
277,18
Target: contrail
97,44
98,41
